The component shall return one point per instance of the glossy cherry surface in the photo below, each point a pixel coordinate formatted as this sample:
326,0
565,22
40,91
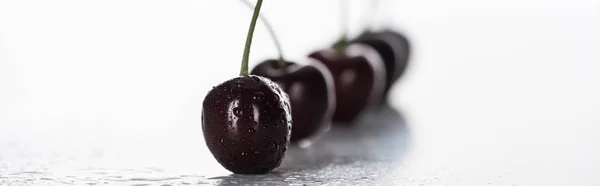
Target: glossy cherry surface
247,124
311,93
395,50
359,78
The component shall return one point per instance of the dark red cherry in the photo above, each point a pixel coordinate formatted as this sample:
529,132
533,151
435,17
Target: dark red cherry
359,78
395,50
247,124
311,93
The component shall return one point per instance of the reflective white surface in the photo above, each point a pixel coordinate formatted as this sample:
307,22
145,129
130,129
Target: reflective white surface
498,93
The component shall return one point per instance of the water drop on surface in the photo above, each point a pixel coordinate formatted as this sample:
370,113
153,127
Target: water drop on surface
237,111
256,152
222,141
233,143
251,131
254,123
244,154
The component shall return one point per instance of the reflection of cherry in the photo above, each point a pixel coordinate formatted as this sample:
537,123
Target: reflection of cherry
359,77
246,121
311,94
395,51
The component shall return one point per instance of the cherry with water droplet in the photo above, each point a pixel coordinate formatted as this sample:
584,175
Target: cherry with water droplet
244,102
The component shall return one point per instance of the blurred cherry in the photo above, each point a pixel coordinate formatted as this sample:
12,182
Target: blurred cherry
311,92
359,77
395,50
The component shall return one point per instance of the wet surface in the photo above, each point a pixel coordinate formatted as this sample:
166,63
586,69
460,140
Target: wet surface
363,154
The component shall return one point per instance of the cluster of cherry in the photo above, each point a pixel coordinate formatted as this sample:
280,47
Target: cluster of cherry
247,121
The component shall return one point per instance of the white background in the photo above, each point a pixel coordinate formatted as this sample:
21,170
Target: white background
498,92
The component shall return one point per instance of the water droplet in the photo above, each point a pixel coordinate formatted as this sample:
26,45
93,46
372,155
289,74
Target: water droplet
214,136
237,111
239,84
258,96
273,147
254,123
244,154
243,140
222,141
233,143
256,152
251,131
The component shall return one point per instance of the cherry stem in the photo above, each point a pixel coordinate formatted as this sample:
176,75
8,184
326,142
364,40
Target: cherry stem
245,59
272,33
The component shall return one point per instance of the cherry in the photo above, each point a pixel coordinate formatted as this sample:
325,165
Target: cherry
359,77
395,51
311,93
246,121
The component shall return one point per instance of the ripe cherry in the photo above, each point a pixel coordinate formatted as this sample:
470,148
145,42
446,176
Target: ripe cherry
246,121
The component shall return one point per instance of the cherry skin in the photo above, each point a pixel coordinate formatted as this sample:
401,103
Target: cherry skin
395,50
311,93
359,78
247,124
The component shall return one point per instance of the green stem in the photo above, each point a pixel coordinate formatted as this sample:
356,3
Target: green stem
245,59
272,33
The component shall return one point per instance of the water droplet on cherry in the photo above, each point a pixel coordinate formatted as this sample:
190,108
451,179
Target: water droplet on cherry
258,96
273,147
237,111
239,84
